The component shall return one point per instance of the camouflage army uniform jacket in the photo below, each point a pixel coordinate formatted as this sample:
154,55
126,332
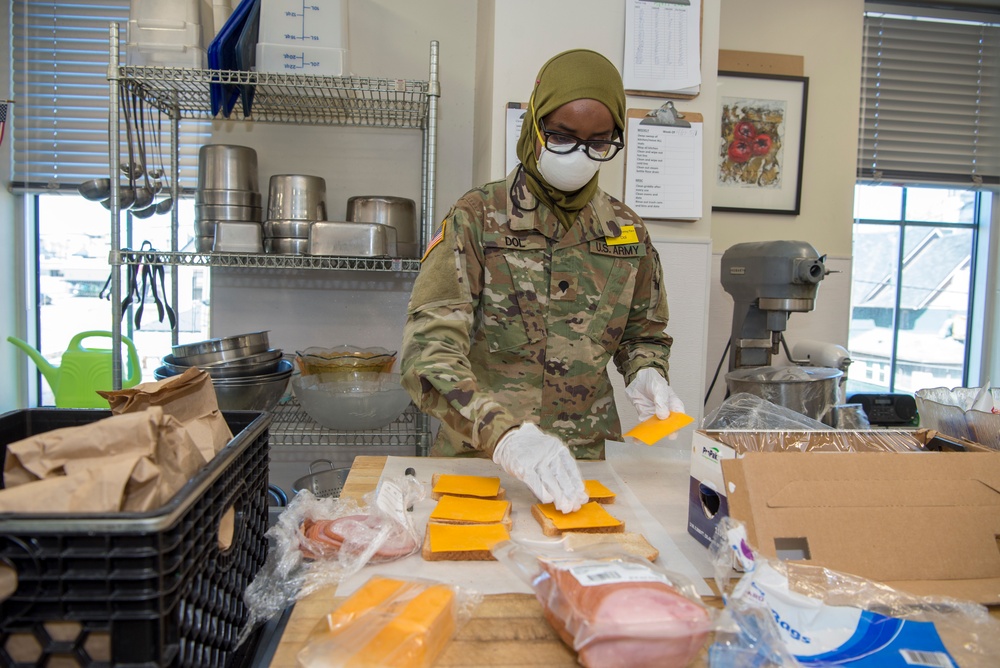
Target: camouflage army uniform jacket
513,319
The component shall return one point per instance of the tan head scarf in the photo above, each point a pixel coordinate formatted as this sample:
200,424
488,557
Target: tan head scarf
571,75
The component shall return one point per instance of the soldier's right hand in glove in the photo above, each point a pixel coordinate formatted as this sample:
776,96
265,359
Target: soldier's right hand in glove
543,463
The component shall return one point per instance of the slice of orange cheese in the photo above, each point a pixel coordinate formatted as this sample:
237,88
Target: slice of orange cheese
590,516
465,537
467,509
597,490
467,485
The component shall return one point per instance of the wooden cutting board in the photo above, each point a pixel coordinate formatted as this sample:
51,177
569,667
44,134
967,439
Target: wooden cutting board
505,630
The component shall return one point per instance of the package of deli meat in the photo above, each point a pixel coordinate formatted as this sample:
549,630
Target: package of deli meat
611,607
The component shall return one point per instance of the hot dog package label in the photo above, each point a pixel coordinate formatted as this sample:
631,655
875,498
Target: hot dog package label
593,573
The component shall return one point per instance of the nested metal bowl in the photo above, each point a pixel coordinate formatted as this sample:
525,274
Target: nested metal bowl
249,393
254,365
221,349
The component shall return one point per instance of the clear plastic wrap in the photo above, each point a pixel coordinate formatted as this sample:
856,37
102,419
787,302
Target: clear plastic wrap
389,622
813,615
748,411
748,423
969,413
320,541
612,608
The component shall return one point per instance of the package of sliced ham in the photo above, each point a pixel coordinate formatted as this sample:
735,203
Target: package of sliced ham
612,608
321,541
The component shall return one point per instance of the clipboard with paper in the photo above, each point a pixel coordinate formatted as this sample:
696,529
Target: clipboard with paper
663,163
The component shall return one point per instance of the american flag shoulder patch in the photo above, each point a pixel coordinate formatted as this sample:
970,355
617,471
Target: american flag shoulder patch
438,238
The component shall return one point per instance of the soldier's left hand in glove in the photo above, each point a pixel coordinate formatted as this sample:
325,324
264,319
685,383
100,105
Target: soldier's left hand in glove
651,395
543,463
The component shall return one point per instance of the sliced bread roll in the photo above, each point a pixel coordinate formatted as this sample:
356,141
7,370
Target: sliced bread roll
631,542
462,542
480,487
591,518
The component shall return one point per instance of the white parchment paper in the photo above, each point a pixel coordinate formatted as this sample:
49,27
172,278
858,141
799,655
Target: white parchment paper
491,577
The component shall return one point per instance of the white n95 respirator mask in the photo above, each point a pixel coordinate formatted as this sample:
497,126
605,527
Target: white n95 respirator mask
567,171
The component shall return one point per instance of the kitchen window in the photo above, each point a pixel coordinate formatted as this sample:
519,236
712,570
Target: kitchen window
59,56
924,207
913,286
73,241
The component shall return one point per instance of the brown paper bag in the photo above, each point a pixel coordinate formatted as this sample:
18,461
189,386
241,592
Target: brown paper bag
189,397
134,462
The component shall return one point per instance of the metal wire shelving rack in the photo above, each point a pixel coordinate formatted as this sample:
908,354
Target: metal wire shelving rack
289,99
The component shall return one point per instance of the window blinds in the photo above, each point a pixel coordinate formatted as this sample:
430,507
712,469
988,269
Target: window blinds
59,57
930,99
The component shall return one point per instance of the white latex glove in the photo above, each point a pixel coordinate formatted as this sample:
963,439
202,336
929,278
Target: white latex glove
651,395
543,463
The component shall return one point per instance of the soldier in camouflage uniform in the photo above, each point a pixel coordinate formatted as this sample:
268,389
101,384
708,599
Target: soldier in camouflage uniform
526,292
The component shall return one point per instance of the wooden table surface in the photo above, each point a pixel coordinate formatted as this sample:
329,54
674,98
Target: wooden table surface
505,630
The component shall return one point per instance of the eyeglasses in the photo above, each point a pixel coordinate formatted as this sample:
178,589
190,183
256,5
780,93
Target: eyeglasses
601,150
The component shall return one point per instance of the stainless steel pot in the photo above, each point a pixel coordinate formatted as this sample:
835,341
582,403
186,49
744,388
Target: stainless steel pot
286,246
399,213
289,229
228,198
227,167
228,212
296,197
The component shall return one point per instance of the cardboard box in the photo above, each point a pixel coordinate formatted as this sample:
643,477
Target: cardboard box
925,523
707,496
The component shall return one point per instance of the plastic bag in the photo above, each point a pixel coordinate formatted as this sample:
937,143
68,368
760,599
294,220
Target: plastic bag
389,622
748,411
815,615
613,608
317,542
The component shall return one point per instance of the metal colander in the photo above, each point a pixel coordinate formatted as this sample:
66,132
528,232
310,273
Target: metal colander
328,483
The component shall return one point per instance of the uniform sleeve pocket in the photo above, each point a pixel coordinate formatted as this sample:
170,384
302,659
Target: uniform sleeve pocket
612,311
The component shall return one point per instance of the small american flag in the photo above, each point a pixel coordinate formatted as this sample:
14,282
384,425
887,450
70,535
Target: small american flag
3,117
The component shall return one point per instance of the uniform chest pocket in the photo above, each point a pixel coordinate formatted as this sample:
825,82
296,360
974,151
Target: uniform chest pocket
510,310
610,316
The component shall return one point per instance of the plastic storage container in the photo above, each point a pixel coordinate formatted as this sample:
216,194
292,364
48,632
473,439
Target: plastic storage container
297,38
300,59
166,33
160,588
318,23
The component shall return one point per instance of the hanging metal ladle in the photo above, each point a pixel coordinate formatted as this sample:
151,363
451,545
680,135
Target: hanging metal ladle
144,206
167,203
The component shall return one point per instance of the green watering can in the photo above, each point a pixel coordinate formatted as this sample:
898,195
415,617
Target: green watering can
83,371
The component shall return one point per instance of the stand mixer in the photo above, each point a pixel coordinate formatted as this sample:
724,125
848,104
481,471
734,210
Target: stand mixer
770,280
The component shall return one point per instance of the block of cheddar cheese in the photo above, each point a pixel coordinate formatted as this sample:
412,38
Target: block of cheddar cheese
590,518
480,487
387,622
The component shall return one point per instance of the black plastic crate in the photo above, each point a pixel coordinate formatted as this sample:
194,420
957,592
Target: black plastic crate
136,589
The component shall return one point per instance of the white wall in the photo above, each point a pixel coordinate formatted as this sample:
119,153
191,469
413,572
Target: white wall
828,37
